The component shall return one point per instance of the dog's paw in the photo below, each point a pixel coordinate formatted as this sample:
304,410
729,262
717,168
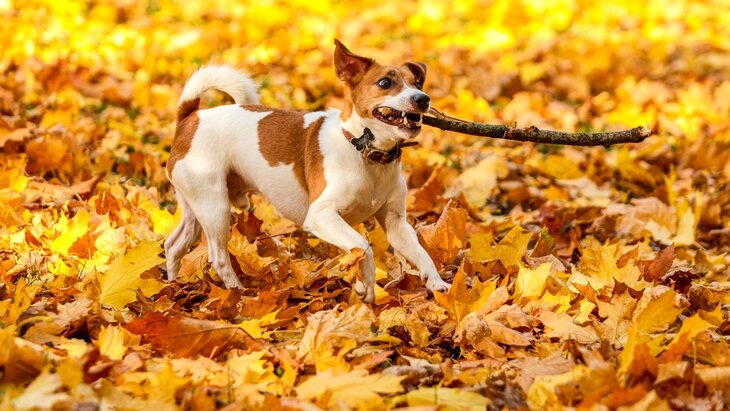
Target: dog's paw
437,284
367,294
233,283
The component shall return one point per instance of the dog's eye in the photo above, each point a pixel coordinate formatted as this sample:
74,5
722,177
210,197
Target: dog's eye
384,82
419,85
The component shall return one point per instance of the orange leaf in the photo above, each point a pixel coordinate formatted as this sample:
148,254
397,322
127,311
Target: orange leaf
188,337
445,238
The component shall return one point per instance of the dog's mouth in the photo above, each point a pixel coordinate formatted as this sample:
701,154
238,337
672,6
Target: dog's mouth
401,119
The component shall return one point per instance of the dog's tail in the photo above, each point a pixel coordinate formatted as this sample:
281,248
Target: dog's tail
224,78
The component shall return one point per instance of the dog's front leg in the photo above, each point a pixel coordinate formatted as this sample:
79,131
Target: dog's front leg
327,224
403,238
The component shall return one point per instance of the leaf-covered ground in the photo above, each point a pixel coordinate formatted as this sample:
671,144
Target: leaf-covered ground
585,278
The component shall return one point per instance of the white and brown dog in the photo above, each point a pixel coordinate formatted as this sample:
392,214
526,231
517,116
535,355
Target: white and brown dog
310,166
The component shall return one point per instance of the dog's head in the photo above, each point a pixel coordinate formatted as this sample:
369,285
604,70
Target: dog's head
388,100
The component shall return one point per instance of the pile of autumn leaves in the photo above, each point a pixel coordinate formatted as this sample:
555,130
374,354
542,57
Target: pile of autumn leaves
586,278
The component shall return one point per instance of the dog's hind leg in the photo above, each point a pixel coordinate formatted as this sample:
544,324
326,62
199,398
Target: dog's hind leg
184,235
213,211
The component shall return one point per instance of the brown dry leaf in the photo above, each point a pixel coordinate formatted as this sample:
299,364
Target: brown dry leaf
445,238
188,337
428,196
563,327
331,334
247,255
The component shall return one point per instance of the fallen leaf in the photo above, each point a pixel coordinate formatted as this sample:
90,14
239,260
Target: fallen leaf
188,337
41,393
444,398
119,284
445,237
355,388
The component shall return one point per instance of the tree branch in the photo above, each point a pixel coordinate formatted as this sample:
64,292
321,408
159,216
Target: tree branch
534,134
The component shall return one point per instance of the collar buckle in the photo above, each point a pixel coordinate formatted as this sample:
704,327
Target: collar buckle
363,144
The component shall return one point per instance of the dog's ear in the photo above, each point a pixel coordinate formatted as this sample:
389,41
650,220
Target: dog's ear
350,67
419,71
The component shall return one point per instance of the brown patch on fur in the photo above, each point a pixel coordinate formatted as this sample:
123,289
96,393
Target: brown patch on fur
313,167
284,140
236,189
184,132
187,107
256,108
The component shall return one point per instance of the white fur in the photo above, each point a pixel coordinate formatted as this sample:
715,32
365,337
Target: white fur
223,78
227,138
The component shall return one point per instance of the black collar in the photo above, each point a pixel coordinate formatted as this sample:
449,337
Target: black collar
363,144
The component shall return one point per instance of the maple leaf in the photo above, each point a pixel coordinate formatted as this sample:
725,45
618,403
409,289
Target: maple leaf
445,238
41,393
442,396
531,284
187,337
563,327
119,284
355,388
658,314
331,334
599,264
509,250
247,255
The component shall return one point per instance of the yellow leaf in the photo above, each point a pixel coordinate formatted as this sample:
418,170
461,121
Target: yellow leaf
41,393
690,328
542,392
111,342
163,222
655,317
557,166
247,255
530,283
121,281
356,388
445,398
74,347
686,224
599,262
478,182
253,326
509,251
563,327
331,329
76,228
458,299
658,314
392,317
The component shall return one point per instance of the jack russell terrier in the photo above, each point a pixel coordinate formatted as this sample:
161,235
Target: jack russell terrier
310,166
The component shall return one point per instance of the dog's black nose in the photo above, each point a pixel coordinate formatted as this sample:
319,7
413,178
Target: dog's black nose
421,101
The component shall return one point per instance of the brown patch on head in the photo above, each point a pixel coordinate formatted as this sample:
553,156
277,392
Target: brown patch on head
284,140
366,94
184,132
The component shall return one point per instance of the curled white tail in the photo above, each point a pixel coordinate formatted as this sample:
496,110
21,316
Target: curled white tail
224,78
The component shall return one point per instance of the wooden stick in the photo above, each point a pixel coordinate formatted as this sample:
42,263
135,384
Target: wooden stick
534,134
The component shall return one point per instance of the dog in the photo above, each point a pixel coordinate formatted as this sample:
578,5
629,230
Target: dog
325,171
